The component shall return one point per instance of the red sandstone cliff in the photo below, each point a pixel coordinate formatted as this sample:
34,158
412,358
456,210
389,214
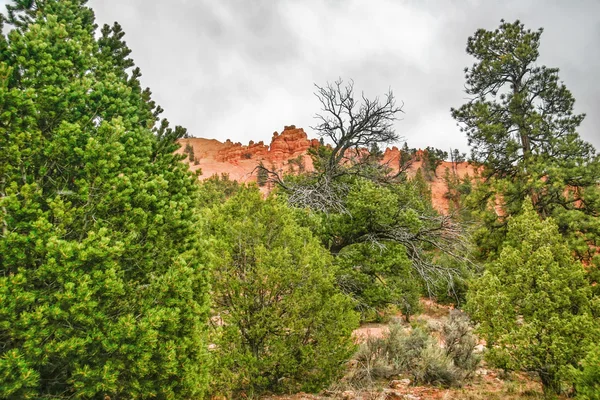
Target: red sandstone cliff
240,161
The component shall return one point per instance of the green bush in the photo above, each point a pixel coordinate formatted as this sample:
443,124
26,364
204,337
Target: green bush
285,324
533,302
587,378
379,277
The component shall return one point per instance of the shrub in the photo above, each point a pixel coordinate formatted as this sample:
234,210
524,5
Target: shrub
533,302
435,367
285,324
371,362
395,353
379,277
414,353
460,342
216,190
404,350
587,378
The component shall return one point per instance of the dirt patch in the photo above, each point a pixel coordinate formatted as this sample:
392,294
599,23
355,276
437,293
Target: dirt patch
376,331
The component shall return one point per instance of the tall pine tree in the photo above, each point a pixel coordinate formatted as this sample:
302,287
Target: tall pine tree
522,128
101,289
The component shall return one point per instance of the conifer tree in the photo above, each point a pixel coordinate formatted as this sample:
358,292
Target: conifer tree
522,128
262,176
285,325
533,303
101,289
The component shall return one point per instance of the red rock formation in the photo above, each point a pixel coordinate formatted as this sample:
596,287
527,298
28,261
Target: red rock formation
240,161
291,143
237,151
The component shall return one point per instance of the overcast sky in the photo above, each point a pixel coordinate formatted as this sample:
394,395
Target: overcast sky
242,69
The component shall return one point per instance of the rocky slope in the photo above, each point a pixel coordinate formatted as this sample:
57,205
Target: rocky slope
292,144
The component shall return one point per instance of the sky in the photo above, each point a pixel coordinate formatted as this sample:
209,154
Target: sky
240,70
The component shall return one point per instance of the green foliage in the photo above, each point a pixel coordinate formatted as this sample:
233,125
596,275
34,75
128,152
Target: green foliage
522,128
285,324
587,377
101,289
407,157
379,276
297,162
217,189
320,155
384,241
457,191
370,243
372,208
533,302
422,188
376,222
432,158
189,150
457,157
453,292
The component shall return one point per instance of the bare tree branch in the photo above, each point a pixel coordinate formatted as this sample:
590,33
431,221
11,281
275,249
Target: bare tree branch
356,129
354,126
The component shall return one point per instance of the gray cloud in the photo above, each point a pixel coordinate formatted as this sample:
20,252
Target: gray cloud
243,69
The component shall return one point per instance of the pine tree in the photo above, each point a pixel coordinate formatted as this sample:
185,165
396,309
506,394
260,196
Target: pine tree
101,289
533,303
522,128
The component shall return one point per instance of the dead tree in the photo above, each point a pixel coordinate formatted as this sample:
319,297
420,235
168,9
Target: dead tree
353,129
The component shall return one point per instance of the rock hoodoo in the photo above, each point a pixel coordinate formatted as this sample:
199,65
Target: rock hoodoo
240,161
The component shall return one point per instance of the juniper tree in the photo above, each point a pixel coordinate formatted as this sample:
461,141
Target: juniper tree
101,288
587,376
285,324
432,158
533,303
